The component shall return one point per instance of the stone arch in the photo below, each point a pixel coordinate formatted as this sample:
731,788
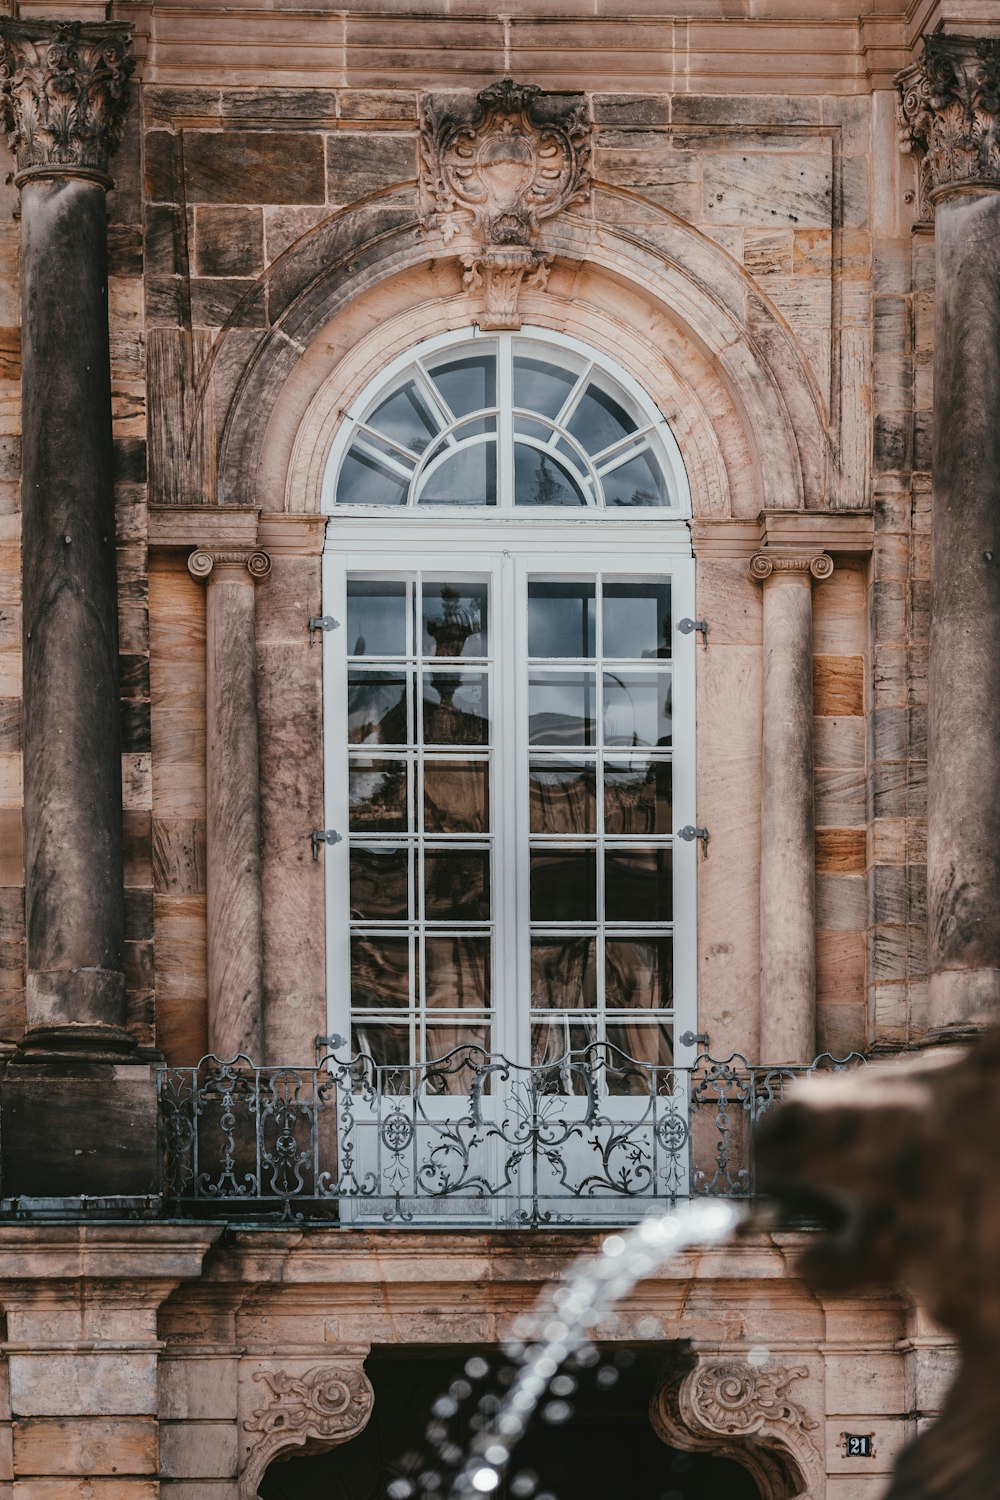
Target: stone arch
297,1410
669,303
724,1405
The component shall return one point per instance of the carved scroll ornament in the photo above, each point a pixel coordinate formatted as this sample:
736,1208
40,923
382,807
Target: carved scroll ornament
949,114
312,1411
771,560
64,88
493,169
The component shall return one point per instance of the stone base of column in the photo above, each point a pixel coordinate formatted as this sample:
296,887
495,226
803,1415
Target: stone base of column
96,996
70,1129
961,1004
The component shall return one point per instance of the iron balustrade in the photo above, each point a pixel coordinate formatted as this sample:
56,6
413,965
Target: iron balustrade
595,1138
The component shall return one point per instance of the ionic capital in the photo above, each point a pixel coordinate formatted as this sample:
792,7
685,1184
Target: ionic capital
949,115
64,89
770,561
205,562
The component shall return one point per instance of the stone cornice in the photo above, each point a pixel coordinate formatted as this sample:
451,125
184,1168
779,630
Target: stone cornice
842,534
64,88
204,562
186,526
949,115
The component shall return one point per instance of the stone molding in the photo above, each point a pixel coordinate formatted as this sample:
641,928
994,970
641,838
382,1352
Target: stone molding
726,1405
493,168
949,115
202,563
64,89
313,1410
842,534
205,527
769,561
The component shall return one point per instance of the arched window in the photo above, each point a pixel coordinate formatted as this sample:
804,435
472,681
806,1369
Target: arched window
510,708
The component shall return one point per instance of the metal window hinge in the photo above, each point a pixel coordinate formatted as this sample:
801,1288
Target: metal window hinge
321,622
693,1038
323,836
689,833
686,626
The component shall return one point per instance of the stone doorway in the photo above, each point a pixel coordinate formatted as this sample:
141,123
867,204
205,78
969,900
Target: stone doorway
606,1449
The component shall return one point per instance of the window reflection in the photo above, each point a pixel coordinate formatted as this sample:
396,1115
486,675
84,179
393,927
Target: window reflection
378,708
561,618
376,617
377,792
563,796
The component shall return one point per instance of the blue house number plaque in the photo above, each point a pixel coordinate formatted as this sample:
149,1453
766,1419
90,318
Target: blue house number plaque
859,1445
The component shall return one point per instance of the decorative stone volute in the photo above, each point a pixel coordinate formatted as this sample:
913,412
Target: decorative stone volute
949,114
203,562
309,1410
64,89
770,560
493,168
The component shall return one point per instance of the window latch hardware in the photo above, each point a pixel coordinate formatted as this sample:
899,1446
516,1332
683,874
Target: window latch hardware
689,833
687,625
693,1038
323,836
321,622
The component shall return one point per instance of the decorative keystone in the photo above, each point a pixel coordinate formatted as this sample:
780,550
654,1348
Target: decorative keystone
64,88
949,114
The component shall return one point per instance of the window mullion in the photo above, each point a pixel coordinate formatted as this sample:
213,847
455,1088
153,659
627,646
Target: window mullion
505,421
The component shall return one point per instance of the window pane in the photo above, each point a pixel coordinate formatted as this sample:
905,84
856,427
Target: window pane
561,619
563,973
640,481
540,480
380,884
454,619
638,885
405,418
636,618
386,1045
599,420
457,1077
637,708
456,796
467,477
377,794
541,386
551,1041
638,796
378,708
639,974
561,709
364,481
650,1045
563,885
456,710
457,972
562,796
467,384
376,617
457,885
380,972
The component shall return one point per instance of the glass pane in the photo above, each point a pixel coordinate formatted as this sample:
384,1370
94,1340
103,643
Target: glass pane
652,1046
377,793
561,619
562,796
454,619
467,477
638,796
638,974
563,973
457,1077
467,384
457,972
457,885
540,480
636,617
599,420
561,709
377,708
637,708
456,796
541,386
380,972
563,885
529,427
405,418
640,481
376,617
638,885
380,882
364,481
456,708
388,1046
551,1042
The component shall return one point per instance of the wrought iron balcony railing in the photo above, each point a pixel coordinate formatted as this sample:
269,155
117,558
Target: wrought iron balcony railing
595,1138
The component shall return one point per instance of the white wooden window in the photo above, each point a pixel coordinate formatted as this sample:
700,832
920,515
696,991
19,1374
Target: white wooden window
509,713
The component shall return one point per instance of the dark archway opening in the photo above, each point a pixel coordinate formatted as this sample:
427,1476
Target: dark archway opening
606,1449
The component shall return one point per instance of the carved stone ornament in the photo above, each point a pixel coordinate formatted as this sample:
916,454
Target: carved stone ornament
202,563
768,561
310,1411
949,114
728,1406
493,168
64,89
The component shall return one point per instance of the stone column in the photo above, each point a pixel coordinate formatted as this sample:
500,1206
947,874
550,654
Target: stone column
787,838
950,117
235,925
63,89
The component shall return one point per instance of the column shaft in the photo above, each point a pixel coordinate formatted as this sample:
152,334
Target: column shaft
787,854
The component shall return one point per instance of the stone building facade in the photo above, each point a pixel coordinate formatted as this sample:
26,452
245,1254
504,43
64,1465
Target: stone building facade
247,246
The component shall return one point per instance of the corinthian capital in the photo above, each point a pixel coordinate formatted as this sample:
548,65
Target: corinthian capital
949,113
63,91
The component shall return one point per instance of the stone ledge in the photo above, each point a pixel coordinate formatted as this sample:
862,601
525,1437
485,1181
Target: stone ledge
841,533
